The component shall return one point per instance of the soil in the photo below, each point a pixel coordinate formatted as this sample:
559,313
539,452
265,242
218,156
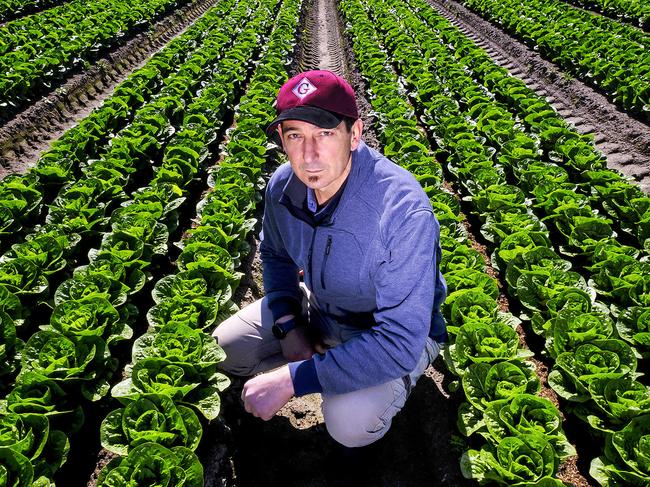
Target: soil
27,135
624,140
293,449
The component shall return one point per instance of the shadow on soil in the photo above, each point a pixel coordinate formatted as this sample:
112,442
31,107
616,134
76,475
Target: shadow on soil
293,448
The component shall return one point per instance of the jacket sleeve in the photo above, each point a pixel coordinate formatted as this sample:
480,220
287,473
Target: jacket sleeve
280,272
405,287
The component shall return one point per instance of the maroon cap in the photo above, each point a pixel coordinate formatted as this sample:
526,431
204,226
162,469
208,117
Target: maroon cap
319,97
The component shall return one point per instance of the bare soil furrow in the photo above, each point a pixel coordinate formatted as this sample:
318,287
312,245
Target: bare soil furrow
624,140
27,135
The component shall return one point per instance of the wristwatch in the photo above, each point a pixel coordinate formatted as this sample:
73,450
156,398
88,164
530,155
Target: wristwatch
280,330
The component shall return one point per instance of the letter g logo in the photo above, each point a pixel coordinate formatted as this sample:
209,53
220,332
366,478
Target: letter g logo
303,88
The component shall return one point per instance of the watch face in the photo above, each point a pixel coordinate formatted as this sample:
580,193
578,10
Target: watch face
278,332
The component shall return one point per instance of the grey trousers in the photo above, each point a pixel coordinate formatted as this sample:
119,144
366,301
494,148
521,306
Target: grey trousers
353,419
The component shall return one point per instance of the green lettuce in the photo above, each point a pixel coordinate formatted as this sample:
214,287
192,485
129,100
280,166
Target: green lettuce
15,469
485,382
569,328
183,385
90,316
36,393
627,456
526,414
482,342
614,403
575,370
181,345
517,461
153,464
633,326
83,361
150,418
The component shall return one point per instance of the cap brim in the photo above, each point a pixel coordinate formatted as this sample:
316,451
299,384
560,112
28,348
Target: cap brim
305,113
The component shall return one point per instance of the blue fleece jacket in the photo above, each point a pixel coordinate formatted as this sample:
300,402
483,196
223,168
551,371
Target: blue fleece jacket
372,260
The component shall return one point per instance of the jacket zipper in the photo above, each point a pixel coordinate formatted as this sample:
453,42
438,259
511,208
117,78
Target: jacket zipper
309,256
322,268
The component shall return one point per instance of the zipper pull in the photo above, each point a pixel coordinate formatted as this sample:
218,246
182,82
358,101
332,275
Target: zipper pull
329,245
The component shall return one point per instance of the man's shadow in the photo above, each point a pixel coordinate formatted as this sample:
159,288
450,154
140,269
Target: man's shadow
295,450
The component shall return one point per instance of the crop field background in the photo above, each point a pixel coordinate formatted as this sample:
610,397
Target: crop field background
134,160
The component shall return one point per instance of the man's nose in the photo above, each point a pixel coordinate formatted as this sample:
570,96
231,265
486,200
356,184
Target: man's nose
310,150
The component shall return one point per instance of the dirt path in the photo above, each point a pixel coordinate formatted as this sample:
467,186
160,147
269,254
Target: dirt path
623,139
24,137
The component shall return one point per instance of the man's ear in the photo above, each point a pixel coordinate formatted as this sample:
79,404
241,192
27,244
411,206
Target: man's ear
355,133
278,129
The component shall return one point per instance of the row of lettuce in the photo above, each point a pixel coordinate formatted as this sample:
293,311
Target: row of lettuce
89,173
636,12
602,52
584,329
465,102
12,9
69,362
522,432
174,364
40,50
24,198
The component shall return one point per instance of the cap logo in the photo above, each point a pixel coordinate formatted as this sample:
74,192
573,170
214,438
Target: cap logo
304,88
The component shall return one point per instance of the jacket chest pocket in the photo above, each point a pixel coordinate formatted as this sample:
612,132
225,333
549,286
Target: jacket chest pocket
341,259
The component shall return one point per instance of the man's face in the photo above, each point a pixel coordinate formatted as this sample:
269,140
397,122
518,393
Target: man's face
321,158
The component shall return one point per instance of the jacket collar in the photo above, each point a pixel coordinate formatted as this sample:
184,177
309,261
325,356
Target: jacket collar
294,193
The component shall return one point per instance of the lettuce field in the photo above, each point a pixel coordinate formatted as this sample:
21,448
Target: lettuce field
134,160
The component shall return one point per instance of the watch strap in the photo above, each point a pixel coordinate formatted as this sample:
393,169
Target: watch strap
280,330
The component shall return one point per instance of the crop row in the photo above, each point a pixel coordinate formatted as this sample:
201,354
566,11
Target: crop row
500,386
12,9
634,11
41,49
96,181
567,185
559,143
593,363
170,375
24,198
70,358
545,159
602,52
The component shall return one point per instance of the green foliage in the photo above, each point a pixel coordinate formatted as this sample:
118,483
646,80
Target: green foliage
575,370
525,460
153,464
485,382
527,414
150,418
627,458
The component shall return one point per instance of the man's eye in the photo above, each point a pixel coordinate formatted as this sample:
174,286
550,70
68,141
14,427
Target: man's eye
326,132
294,136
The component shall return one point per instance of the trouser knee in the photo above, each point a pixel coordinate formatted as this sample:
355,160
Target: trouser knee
228,338
247,339
356,427
355,436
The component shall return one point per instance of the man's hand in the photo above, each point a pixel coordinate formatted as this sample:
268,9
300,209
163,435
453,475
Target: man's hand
297,345
265,394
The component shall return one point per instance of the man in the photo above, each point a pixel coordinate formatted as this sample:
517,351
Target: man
365,323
